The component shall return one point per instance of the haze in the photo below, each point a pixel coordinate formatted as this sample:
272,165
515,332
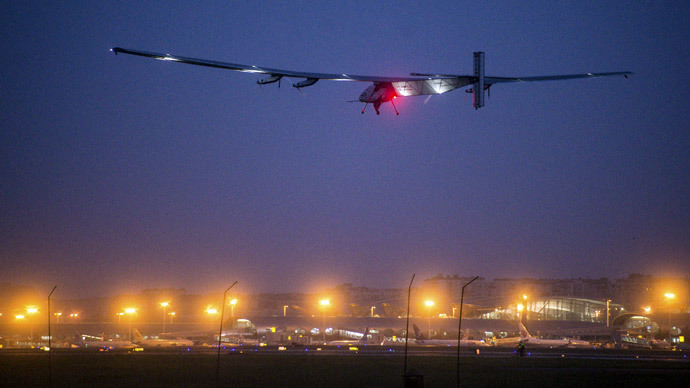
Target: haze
123,173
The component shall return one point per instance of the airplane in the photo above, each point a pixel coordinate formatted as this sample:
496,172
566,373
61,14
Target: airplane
420,339
140,340
382,89
530,341
102,342
362,341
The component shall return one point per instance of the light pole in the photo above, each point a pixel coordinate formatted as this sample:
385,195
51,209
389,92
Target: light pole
172,315
285,310
462,300
407,324
220,332
372,311
429,304
50,343
233,303
130,311
31,310
324,305
520,309
524,301
608,311
164,305
669,299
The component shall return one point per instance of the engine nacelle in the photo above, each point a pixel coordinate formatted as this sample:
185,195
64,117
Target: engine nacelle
305,83
269,80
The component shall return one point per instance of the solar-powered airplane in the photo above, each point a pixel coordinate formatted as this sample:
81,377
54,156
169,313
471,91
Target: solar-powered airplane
383,89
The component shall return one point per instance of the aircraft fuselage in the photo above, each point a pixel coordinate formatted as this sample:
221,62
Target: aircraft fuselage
377,94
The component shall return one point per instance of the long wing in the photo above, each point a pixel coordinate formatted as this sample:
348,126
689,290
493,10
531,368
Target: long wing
416,84
263,70
496,80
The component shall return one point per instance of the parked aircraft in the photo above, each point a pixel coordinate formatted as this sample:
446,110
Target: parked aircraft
530,341
420,339
365,340
88,341
140,340
382,89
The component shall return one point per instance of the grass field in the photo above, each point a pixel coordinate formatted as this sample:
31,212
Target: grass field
303,370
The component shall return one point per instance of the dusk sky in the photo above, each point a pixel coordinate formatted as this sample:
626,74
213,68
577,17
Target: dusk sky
120,173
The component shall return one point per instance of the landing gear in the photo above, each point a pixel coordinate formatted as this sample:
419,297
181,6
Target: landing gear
396,109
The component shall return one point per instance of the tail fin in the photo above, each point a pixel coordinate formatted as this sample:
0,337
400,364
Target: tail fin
136,336
418,335
524,334
364,338
478,86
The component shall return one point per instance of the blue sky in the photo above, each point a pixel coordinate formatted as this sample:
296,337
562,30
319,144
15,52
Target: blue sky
121,173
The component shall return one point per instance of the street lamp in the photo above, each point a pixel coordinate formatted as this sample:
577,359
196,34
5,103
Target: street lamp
31,310
524,301
164,305
462,300
669,298
220,330
429,304
233,303
172,315
130,311
608,311
57,318
324,305
372,311
520,309
285,310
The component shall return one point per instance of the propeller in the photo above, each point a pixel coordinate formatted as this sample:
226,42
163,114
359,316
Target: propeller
298,89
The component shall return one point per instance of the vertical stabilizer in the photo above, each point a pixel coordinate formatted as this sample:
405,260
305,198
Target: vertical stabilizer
364,338
137,337
478,87
419,336
524,334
